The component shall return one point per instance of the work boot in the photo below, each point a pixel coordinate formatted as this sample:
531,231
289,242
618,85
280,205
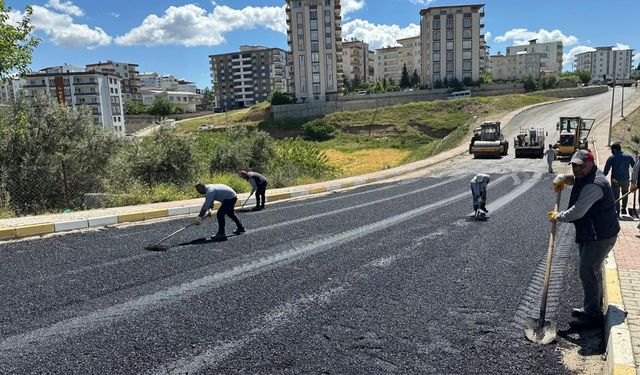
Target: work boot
587,322
219,237
483,208
256,208
577,312
240,230
624,211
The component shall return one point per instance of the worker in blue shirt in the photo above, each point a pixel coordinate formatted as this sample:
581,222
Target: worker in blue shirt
619,164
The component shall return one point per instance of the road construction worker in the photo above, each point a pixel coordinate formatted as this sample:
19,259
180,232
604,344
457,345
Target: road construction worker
532,136
619,164
227,197
592,212
478,186
550,153
258,185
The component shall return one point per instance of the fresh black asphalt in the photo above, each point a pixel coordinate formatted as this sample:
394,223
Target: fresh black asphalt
340,293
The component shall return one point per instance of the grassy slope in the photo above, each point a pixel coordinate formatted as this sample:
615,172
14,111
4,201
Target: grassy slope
247,117
627,132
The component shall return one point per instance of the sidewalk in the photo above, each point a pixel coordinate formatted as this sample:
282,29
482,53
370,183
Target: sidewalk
621,281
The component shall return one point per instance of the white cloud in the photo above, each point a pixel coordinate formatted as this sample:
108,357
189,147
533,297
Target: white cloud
620,46
349,6
190,25
487,36
115,15
522,36
567,58
378,36
636,59
66,7
421,2
63,31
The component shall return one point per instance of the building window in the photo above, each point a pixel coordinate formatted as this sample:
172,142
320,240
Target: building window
313,15
315,57
466,55
436,57
315,78
436,35
449,67
327,2
449,56
436,24
314,36
449,46
436,77
436,67
466,22
436,46
449,23
313,24
316,88
466,33
466,44
449,34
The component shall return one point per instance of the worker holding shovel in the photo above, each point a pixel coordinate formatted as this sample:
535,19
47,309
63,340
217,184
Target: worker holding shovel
592,211
619,163
258,185
225,195
478,187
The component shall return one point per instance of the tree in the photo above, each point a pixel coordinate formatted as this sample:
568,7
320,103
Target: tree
356,83
161,107
585,76
347,84
134,108
530,84
207,99
405,82
278,97
415,79
485,76
16,44
467,81
437,84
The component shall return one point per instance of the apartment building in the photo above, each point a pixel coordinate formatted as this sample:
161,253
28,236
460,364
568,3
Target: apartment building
551,63
244,78
128,74
388,63
314,36
100,91
451,43
10,88
604,62
371,57
410,54
166,82
356,60
185,100
509,67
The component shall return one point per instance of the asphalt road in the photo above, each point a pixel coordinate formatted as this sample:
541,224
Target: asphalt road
384,279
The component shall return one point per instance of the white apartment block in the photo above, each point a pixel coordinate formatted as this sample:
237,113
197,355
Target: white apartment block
185,100
356,60
10,88
166,82
242,79
551,63
410,55
519,66
371,76
101,92
128,74
604,62
452,46
314,36
388,63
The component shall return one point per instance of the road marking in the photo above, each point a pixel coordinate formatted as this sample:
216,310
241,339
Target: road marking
516,179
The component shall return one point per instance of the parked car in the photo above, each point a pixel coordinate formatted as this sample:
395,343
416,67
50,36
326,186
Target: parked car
362,92
204,127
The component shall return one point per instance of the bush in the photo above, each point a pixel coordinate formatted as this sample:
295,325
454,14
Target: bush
278,98
318,130
530,84
295,159
241,148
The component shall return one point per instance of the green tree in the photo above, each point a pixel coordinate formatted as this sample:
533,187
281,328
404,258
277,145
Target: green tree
437,84
415,79
207,99
356,83
405,81
278,97
467,81
16,43
52,154
161,107
241,148
318,130
347,84
530,84
585,76
485,76
134,108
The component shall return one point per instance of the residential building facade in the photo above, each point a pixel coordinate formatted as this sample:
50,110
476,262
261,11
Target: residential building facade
185,100
166,82
242,79
314,36
128,74
509,67
604,63
101,92
371,75
356,60
10,88
388,63
410,55
551,62
451,43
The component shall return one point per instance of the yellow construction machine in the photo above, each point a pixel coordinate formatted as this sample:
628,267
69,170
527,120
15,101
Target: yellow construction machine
573,134
488,141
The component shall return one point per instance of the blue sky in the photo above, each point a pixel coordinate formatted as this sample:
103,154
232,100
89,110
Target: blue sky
176,37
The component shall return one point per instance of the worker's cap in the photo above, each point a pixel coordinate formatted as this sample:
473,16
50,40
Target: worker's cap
581,156
616,146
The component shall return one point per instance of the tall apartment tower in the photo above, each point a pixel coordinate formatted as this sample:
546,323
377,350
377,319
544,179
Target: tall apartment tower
356,60
388,63
551,63
244,78
452,46
314,36
604,62
410,54
128,74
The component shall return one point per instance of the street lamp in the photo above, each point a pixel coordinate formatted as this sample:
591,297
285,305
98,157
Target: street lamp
613,94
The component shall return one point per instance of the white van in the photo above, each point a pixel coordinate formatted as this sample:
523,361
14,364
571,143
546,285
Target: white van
460,94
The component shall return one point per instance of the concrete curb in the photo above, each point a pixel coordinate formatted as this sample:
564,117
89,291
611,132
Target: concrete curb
19,232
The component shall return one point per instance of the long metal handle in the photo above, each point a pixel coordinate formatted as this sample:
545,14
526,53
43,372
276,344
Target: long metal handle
623,196
246,200
547,273
173,234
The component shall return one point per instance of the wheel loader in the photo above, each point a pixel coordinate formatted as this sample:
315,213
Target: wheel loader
573,135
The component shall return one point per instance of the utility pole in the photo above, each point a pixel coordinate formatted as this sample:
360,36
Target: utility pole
613,95
622,106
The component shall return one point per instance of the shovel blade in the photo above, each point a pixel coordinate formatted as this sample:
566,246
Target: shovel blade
541,332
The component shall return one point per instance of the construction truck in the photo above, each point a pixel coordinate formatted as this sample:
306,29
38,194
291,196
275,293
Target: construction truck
573,135
488,141
529,143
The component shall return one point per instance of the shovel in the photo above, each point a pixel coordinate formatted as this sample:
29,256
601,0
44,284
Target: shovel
632,211
540,330
246,200
158,247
